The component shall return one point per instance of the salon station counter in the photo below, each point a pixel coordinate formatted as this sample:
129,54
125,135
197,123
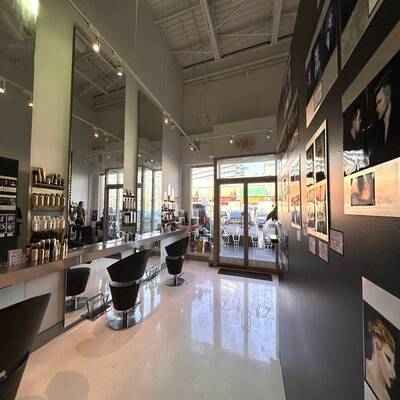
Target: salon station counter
26,280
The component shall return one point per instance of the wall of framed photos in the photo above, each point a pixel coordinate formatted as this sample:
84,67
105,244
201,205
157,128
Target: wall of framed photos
340,302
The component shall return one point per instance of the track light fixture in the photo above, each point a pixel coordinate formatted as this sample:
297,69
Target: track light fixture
96,45
191,147
139,155
120,71
231,140
172,126
2,86
30,101
166,119
95,132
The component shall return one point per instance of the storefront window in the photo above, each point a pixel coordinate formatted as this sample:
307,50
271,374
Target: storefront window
202,199
247,167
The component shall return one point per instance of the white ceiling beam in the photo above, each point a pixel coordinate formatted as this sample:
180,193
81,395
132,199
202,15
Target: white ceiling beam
176,14
276,21
248,66
233,11
227,35
190,52
93,83
205,8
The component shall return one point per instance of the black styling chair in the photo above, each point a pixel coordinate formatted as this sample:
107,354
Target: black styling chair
176,254
126,276
77,279
20,324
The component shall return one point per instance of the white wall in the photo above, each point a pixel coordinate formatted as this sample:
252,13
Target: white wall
141,44
233,98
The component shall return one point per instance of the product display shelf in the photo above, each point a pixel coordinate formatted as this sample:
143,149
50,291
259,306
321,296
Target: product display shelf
48,186
47,209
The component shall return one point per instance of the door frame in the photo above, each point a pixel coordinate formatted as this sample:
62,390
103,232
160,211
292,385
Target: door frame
217,221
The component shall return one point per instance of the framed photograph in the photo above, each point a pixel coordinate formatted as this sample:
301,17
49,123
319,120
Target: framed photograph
363,190
381,329
295,194
310,179
321,62
311,210
287,89
371,140
321,212
317,191
356,16
320,157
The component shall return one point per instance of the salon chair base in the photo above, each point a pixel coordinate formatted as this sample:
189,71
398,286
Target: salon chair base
75,303
119,320
175,281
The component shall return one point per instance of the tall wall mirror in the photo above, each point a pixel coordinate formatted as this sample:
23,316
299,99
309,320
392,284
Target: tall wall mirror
97,145
96,170
17,46
149,182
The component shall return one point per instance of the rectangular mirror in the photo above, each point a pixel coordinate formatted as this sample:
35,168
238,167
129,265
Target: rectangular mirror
17,47
149,182
96,201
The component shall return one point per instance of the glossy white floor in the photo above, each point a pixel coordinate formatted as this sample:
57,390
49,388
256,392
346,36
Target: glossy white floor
213,338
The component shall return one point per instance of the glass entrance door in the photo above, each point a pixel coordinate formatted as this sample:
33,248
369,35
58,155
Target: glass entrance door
262,239
231,217
247,224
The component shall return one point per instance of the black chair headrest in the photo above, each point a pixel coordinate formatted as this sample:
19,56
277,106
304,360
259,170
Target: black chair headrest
178,248
129,268
21,323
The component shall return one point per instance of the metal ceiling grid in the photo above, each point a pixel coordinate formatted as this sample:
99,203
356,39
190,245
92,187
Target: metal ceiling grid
207,30
95,73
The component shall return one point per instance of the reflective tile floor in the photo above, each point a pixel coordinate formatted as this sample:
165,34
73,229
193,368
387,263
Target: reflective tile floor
214,338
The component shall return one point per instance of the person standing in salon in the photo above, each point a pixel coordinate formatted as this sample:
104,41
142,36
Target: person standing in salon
80,219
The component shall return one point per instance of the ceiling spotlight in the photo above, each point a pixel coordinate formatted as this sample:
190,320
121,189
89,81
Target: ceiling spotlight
268,136
191,147
166,119
231,140
108,157
151,160
96,45
96,133
30,101
139,155
2,86
120,71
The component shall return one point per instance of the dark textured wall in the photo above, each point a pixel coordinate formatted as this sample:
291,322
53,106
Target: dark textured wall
320,304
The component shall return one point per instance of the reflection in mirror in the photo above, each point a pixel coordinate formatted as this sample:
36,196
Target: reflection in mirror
96,172
97,145
17,46
149,180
